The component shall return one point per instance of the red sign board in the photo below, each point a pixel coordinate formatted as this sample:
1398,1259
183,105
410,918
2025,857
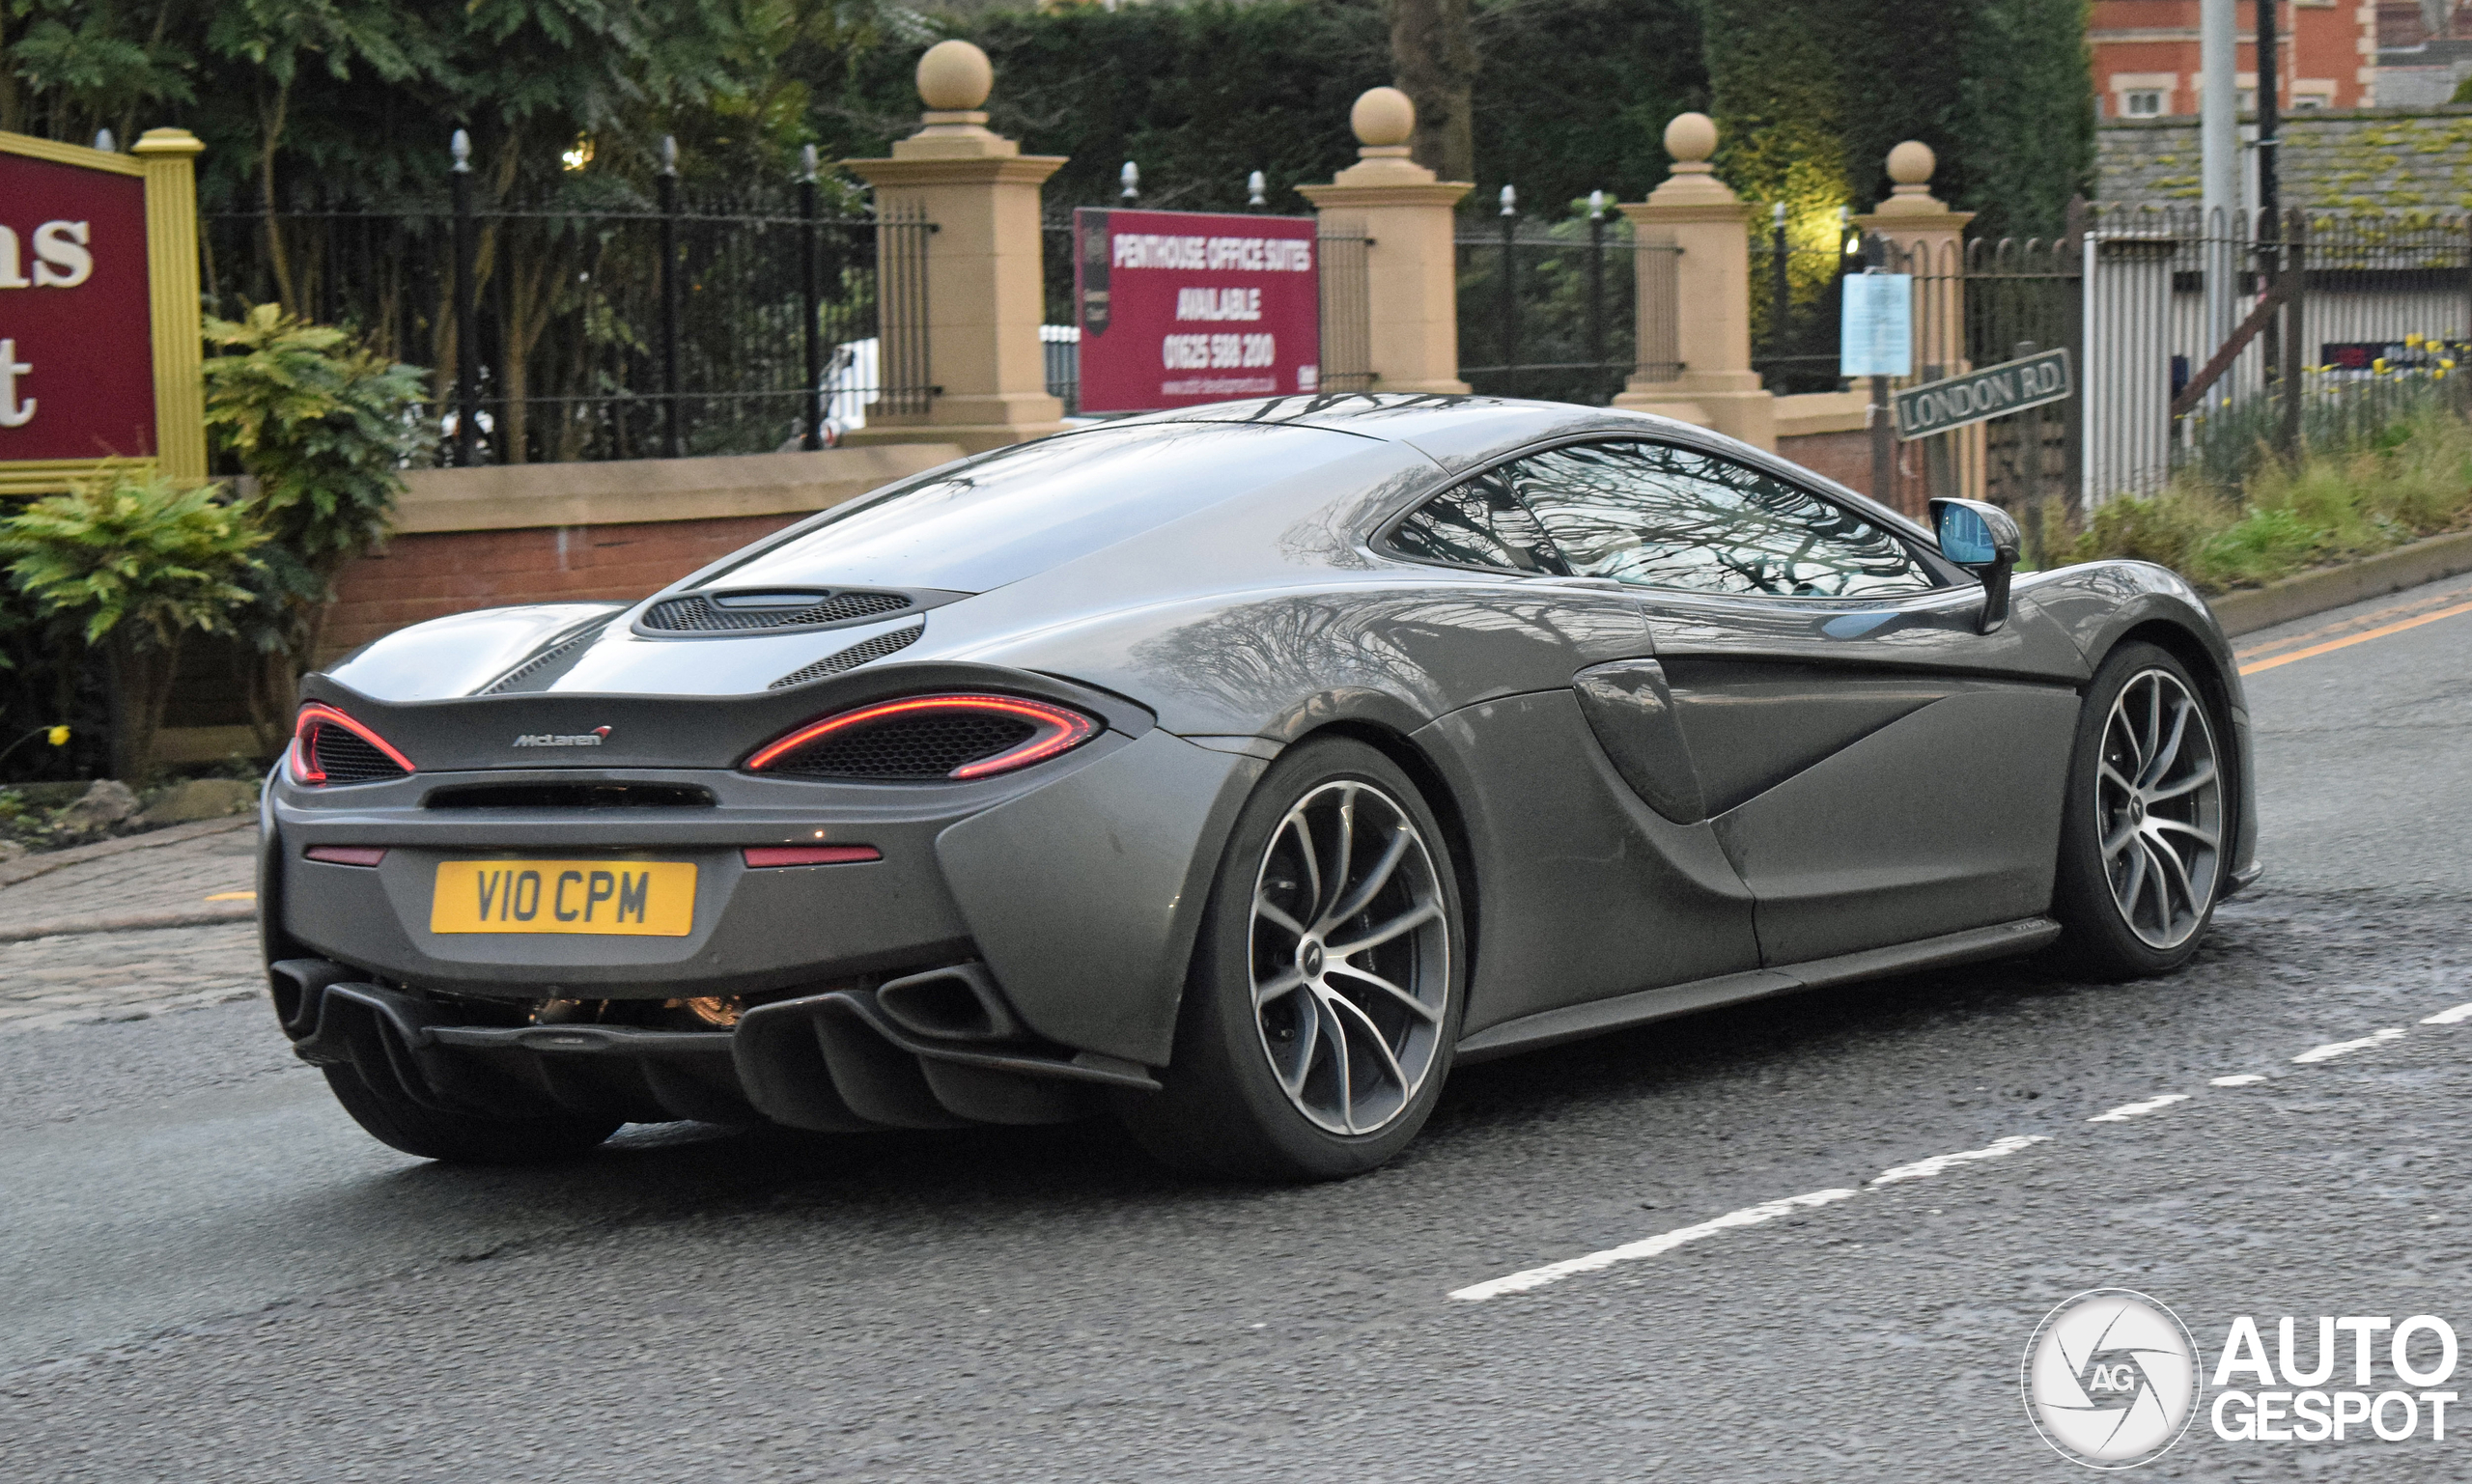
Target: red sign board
1185,307
76,346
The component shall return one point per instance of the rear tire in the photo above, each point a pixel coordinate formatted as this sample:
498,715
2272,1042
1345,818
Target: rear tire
1298,1056
459,1138
2142,846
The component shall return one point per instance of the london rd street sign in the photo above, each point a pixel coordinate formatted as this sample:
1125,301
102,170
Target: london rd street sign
1995,391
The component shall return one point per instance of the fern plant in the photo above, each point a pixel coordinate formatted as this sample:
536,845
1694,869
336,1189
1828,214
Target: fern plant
133,566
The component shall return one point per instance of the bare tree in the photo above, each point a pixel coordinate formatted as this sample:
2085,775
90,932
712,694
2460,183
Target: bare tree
1433,55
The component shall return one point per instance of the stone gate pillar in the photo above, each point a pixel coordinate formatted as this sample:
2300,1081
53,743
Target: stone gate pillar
984,294
1697,212
1930,242
1412,292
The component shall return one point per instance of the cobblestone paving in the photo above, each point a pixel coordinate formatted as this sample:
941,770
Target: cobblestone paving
76,979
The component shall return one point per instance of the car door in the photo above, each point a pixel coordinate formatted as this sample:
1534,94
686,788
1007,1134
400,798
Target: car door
1588,891
1877,769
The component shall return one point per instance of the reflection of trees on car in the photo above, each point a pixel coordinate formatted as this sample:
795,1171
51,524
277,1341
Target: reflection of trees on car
1251,657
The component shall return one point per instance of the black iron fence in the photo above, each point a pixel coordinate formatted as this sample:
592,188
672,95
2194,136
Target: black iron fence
1550,309
1797,303
609,326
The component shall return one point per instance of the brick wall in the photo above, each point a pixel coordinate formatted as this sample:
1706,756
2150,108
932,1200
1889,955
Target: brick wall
1843,457
432,574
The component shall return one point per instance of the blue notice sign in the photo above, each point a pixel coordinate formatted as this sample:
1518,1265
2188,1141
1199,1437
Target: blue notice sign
1876,337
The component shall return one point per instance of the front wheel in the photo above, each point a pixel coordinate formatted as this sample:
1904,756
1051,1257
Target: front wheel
2142,848
1327,987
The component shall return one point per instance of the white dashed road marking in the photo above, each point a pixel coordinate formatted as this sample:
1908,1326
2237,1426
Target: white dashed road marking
2128,1110
1924,1170
1662,1241
2337,1049
1920,1170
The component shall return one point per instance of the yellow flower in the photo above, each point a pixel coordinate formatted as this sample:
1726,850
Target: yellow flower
58,737
2378,365
2412,341
2443,364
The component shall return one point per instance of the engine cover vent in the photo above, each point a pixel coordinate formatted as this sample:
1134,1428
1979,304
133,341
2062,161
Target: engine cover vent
543,670
855,656
769,611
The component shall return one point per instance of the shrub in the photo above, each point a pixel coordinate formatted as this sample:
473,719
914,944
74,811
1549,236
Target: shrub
326,428
133,566
2408,478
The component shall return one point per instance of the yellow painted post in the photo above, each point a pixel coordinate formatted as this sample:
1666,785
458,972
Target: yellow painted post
170,158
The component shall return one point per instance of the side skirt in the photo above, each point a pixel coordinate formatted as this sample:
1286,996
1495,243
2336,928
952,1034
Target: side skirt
1573,1022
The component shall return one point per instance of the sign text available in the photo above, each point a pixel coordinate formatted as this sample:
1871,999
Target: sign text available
1184,307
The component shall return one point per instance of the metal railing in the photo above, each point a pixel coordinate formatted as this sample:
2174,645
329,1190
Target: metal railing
1797,304
609,327
2213,339
1551,309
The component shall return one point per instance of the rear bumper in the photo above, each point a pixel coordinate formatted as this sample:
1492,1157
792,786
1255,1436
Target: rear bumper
834,1063
1078,884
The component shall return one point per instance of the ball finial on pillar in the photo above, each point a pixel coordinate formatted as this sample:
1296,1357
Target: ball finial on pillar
1691,138
955,77
1383,117
1910,165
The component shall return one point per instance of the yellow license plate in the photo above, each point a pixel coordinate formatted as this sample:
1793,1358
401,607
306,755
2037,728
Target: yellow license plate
652,899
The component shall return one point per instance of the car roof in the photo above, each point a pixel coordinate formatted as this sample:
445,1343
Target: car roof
1455,430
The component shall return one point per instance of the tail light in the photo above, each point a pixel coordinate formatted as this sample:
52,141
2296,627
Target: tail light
329,746
928,738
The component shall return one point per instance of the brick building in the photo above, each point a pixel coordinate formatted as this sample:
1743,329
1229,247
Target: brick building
2145,55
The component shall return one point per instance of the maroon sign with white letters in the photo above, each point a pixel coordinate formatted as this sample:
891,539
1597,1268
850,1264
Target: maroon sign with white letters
76,336
1184,307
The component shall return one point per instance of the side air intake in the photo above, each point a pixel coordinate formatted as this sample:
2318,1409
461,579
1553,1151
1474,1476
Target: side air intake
769,611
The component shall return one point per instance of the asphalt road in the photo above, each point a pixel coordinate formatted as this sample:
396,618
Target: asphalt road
207,1273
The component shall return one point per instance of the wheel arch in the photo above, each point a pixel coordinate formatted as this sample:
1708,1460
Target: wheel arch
1439,797
2220,679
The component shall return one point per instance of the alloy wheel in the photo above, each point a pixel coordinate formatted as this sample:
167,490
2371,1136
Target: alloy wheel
1351,957
2159,808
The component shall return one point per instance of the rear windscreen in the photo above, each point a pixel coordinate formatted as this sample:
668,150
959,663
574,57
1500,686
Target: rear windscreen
1037,506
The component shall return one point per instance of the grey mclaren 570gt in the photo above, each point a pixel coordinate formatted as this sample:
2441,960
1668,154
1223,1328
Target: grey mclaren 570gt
1232,772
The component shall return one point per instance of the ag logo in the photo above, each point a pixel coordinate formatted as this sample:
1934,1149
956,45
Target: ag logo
2111,1379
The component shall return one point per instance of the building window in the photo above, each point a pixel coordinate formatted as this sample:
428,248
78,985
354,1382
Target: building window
2305,102
2142,103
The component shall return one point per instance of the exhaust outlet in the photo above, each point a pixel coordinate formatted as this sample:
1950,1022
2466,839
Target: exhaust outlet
957,1003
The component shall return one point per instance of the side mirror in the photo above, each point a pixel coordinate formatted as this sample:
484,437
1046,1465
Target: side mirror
1982,540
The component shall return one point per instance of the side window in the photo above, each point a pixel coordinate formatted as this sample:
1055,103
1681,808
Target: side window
1479,523
1664,517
